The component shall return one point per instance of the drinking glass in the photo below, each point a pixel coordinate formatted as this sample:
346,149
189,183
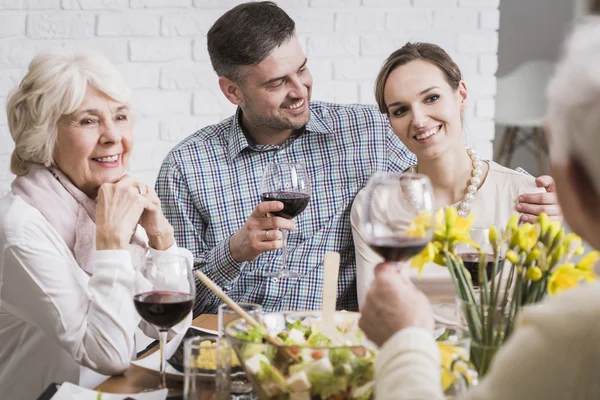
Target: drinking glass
398,221
204,356
240,385
289,184
471,256
164,295
458,373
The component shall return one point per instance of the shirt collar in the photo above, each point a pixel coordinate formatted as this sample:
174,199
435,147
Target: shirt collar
238,142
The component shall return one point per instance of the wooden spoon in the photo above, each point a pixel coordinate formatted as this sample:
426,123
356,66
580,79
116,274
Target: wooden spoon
331,269
240,311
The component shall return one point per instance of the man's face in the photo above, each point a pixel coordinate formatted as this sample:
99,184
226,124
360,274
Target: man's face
276,92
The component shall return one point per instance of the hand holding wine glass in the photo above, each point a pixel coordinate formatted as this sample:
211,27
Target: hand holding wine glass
287,183
164,296
399,220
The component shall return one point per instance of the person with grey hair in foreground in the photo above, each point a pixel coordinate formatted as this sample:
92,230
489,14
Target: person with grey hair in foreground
553,353
70,243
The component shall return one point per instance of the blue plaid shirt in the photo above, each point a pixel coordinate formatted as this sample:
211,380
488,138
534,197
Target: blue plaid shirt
209,185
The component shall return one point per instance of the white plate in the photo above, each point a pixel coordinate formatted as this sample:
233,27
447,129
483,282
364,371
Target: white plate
68,391
208,331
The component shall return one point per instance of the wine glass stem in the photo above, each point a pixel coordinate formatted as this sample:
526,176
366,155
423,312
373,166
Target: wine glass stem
163,357
284,249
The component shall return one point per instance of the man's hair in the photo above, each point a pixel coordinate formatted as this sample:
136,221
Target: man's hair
246,35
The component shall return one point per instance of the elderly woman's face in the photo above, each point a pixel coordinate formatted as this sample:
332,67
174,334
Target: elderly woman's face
94,142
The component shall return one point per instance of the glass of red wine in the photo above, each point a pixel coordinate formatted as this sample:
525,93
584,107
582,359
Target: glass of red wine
289,184
164,296
399,215
472,256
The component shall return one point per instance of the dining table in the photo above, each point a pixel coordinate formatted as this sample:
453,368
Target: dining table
137,379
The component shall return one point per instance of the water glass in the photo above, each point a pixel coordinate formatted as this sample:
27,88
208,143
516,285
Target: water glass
239,381
207,364
458,373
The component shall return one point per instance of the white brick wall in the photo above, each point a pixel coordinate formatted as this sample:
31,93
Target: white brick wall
160,47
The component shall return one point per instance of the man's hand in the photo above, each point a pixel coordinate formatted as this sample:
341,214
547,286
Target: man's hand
393,303
260,233
531,205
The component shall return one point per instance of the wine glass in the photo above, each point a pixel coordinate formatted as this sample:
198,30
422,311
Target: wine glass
472,256
164,296
289,184
398,221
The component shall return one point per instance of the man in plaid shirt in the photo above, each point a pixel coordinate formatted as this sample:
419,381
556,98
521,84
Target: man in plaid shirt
209,183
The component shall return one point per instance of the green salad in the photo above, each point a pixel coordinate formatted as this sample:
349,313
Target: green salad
326,368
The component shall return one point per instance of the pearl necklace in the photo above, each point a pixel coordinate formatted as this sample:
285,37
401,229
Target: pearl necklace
464,208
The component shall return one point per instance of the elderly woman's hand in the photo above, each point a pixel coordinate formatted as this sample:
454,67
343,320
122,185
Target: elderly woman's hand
393,303
160,232
119,208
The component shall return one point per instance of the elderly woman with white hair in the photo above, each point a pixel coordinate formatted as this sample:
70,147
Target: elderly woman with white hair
554,351
68,242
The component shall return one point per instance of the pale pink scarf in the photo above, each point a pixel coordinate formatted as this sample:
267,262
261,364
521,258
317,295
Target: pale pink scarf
70,212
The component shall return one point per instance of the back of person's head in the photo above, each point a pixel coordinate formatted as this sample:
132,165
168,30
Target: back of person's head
246,35
573,116
55,85
428,52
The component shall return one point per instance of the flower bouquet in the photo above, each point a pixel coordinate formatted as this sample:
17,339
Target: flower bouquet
541,260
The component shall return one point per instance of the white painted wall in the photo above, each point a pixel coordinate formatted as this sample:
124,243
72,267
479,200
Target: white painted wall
160,46
531,30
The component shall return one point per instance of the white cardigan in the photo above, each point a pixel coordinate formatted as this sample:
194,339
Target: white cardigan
554,354
54,318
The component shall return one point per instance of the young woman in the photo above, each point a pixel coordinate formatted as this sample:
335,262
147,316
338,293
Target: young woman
421,91
553,354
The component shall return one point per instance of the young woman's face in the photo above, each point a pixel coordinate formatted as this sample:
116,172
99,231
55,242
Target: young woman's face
424,111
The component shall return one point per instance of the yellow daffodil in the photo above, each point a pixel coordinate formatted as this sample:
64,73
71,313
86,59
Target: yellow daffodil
513,222
462,232
493,235
528,237
424,257
451,217
573,243
533,255
534,273
454,360
544,222
553,231
512,257
565,277
420,226
588,261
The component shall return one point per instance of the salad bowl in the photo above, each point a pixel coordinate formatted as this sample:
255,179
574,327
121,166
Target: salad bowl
308,365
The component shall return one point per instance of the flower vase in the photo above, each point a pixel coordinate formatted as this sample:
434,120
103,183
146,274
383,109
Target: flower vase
489,327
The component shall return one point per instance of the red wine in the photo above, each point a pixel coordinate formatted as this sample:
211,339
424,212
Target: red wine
163,309
293,203
471,262
397,248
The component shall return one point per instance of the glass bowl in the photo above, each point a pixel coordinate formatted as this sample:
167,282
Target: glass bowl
309,365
